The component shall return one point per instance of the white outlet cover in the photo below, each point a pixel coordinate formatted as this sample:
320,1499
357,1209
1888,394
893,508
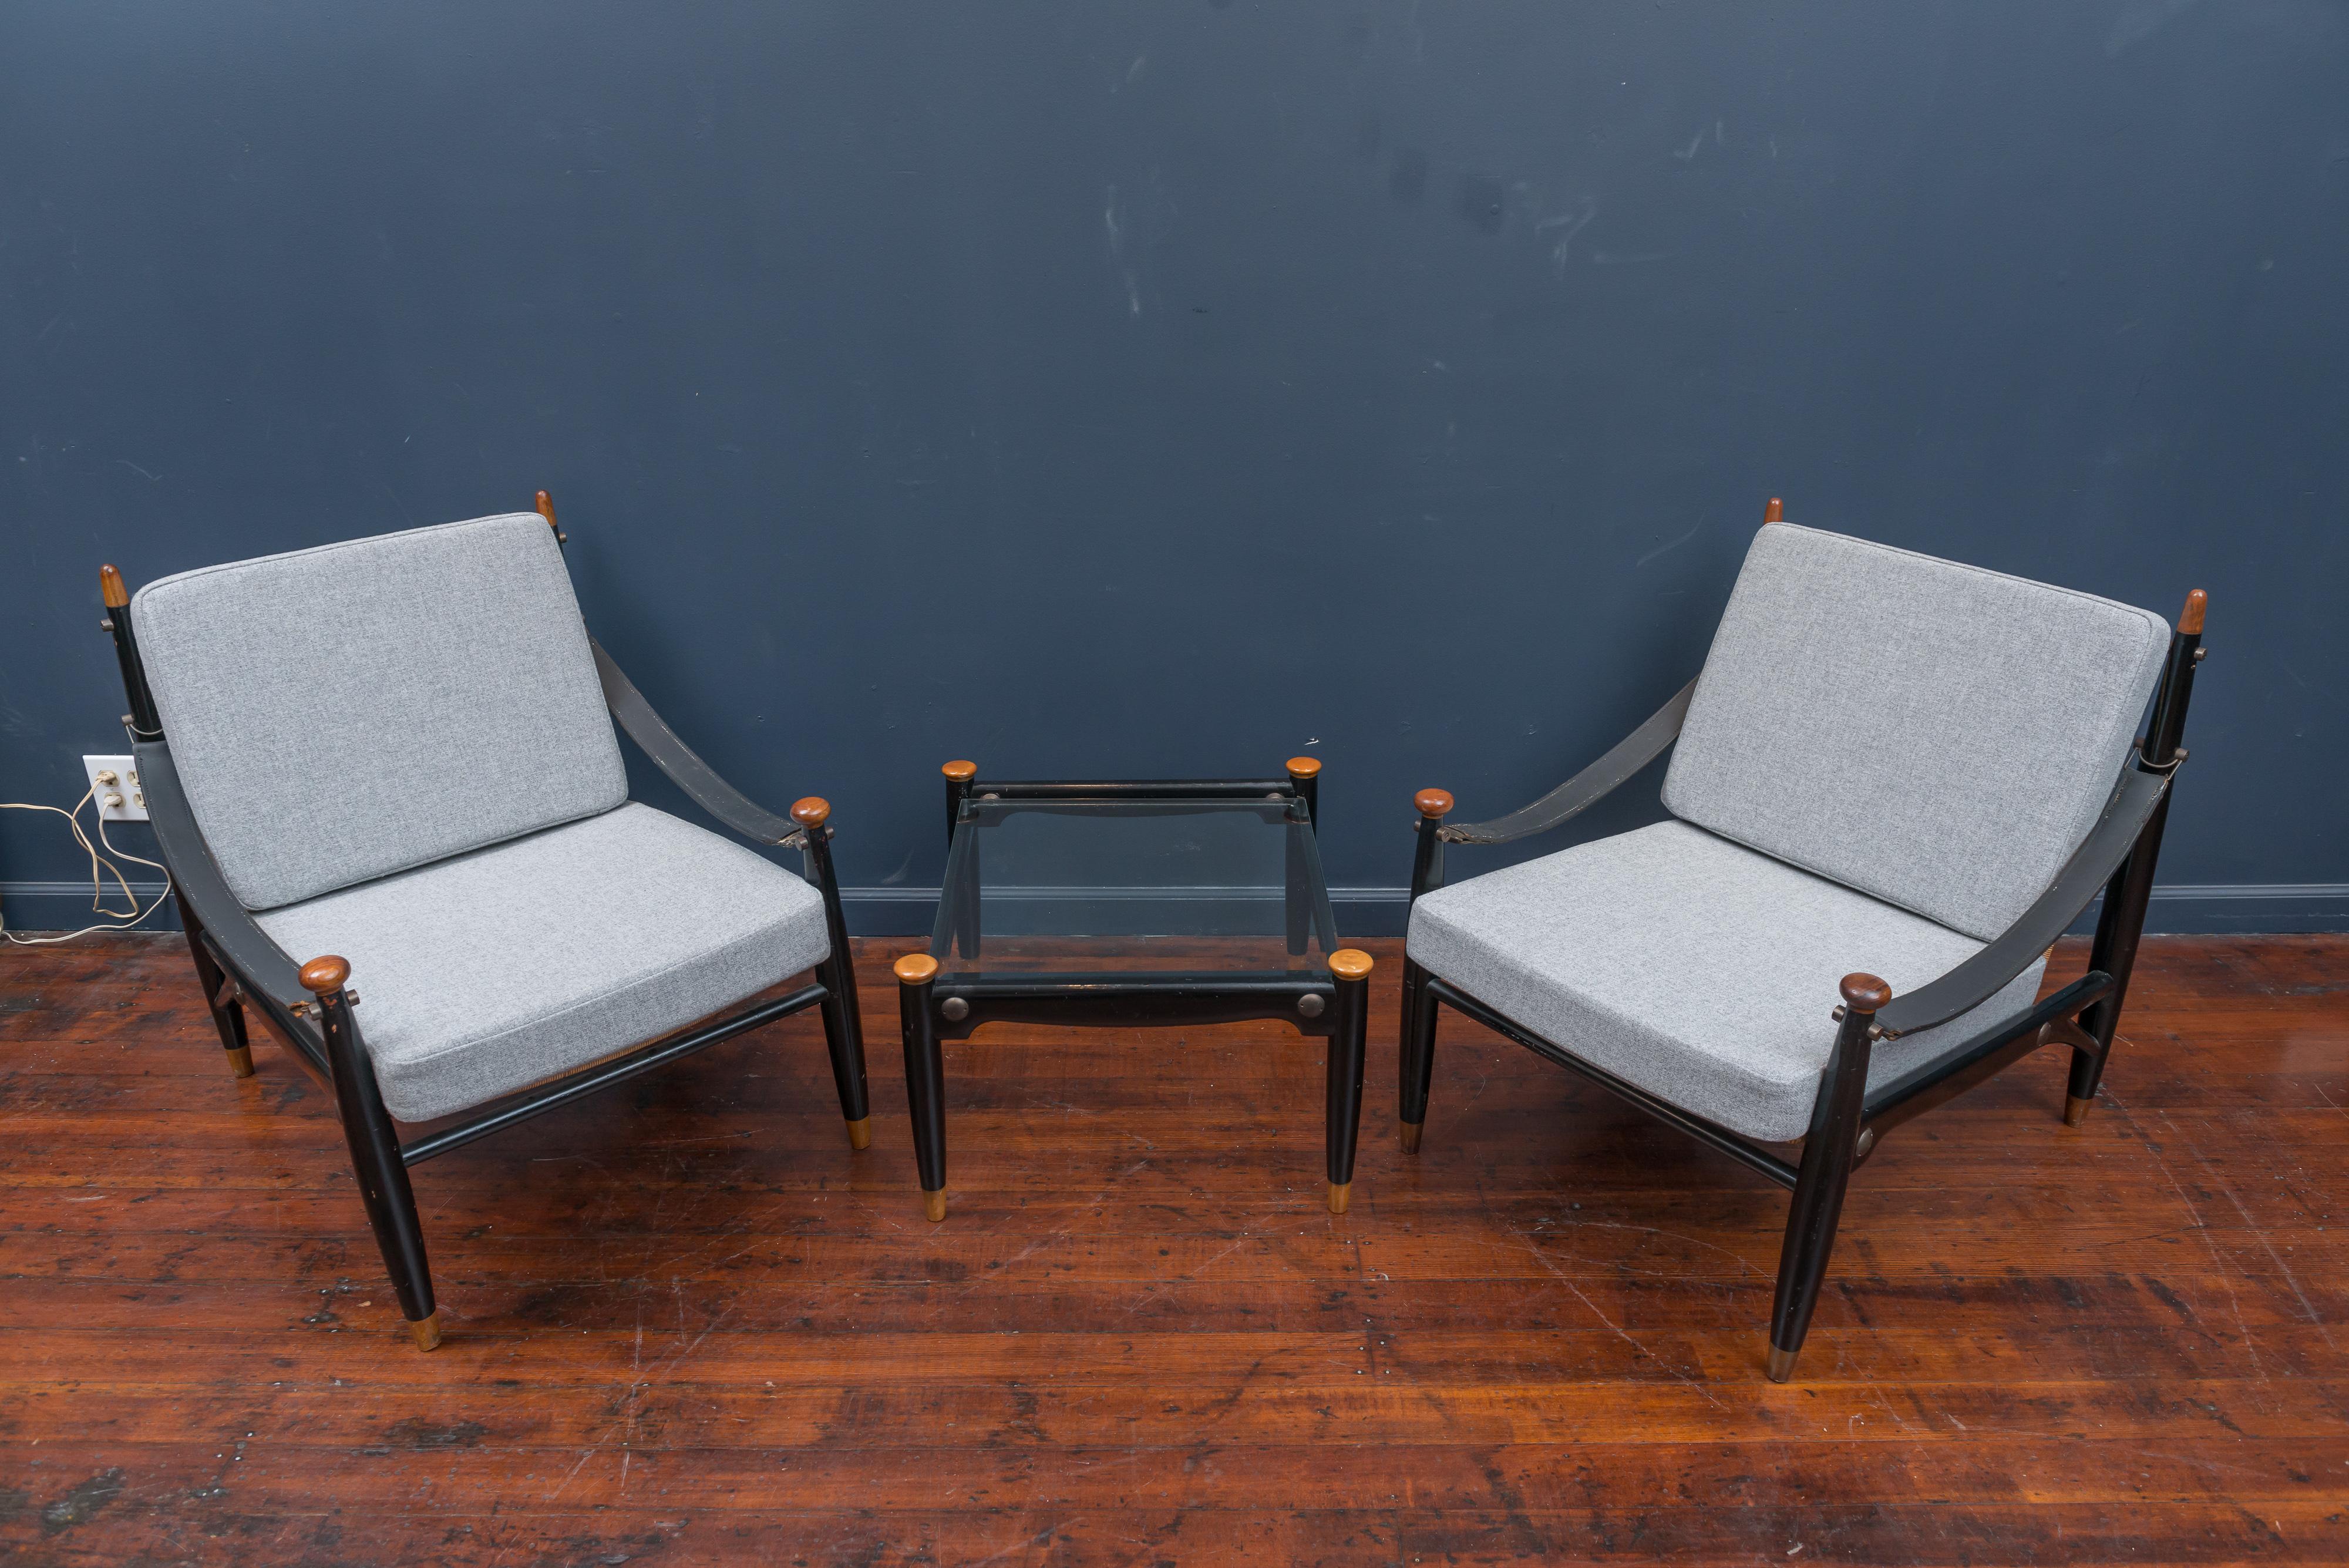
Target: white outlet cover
126,784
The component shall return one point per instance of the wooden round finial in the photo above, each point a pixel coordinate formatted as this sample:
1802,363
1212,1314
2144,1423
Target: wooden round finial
1775,511
959,771
111,589
546,508
1866,993
1350,963
2190,620
1433,802
810,810
915,968
325,973
1303,767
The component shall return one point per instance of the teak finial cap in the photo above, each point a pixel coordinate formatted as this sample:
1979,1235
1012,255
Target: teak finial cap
915,969
325,973
1303,767
547,507
1433,802
111,589
810,810
2190,620
1349,963
1775,511
1866,993
959,771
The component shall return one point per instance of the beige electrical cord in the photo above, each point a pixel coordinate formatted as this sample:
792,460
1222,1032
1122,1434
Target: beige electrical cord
118,920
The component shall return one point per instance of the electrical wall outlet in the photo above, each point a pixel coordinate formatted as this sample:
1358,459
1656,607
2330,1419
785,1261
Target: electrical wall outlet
114,784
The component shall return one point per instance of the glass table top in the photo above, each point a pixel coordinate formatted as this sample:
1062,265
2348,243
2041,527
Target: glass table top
1048,886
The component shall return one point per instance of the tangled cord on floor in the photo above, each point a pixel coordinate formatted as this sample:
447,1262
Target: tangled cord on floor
116,919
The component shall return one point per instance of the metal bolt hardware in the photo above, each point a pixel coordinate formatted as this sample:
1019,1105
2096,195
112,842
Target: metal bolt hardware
1866,1141
106,626
1311,1004
955,1008
990,794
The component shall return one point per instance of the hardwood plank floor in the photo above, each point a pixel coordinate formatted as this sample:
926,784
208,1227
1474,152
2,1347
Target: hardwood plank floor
687,1325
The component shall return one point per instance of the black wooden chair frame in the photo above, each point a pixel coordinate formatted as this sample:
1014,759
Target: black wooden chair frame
239,965
1848,1120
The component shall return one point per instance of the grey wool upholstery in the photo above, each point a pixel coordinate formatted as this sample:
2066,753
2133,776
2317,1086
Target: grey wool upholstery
1693,966
481,974
342,713
1936,735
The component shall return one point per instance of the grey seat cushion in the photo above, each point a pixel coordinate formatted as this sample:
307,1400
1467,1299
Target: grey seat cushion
344,712
1939,736
1693,967
489,972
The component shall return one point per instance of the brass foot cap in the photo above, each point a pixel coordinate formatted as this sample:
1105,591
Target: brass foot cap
859,1133
239,1060
2075,1110
1782,1364
1340,1194
1411,1131
427,1330
934,1204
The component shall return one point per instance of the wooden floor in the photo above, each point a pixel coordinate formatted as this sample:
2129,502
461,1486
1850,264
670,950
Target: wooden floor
685,1324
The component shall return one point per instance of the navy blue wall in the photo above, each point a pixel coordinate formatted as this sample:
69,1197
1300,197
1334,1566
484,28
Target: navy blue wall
1138,388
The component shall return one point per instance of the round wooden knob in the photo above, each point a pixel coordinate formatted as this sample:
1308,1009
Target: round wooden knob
321,975
1775,511
111,589
2190,620
1349,963
960,771
1304,767
810,810
915,969
1433,802
547,507
1866,993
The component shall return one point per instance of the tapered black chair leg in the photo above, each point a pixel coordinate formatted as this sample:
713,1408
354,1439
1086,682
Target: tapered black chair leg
1829,1151
1415,1071
375,1151
220,997
843,1037
1348,1027
926,1078
2121,925
843,1022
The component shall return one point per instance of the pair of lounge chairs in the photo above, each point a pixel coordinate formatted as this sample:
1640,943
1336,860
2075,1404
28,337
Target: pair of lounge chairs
1887,760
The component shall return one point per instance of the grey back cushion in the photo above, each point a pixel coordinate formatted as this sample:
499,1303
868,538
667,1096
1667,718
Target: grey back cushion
1936,735
341,713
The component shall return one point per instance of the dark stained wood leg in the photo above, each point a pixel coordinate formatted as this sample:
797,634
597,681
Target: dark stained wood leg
375,1151
1348,1030
926,1078
1829,1151
1415,1074
220,996
844,1024
2121,924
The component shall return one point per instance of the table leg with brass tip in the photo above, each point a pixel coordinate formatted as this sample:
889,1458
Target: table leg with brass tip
1410,1135
2076,1109
240,1060
926,1076
1782,1364
427,1330
859,1133
1350,967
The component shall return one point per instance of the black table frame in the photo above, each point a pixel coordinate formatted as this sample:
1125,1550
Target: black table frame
933,1007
